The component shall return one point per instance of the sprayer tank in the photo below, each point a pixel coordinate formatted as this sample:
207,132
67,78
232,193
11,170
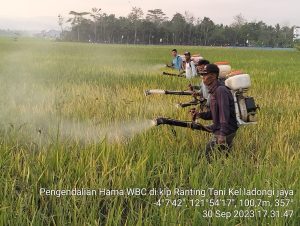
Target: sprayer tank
238,82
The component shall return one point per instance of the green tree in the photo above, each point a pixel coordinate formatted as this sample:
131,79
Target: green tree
135,18
207,27
180,29
76,21
156,16
96,15
177,27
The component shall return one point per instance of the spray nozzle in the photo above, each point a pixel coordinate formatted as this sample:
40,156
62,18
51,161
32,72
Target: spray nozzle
158,121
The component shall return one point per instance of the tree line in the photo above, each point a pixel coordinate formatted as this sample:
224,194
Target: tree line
155,28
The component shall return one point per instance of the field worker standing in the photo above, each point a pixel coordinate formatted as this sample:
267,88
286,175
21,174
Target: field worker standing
190,68
203,88
222,112
177,61
201,64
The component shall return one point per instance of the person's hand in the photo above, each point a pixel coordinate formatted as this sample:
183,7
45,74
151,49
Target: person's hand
195,94
202,100
190,87
221,139
194,113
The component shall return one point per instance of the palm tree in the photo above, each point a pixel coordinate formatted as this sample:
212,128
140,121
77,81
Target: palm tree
76,20
96,15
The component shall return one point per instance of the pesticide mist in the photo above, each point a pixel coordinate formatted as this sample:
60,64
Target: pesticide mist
39,103
93,133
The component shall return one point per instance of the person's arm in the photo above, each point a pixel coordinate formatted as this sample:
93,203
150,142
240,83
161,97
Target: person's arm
198,88
205,115
183,65
210,128
204,90
169,65
179,63
224,110
172,63
194,71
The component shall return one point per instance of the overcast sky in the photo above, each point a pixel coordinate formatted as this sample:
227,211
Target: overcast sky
42,14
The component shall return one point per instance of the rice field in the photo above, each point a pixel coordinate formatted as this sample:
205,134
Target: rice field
74,115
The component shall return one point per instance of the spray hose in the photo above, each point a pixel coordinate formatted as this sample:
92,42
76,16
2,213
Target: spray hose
187,124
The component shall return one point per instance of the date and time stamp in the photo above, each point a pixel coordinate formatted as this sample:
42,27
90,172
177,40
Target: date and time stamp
211,202
246,203
241,208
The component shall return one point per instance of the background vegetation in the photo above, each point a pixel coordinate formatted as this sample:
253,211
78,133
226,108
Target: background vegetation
154,27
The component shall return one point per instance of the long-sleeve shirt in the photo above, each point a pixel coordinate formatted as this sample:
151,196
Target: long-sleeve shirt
222,110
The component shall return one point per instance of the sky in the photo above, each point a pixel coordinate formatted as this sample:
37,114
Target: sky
42,14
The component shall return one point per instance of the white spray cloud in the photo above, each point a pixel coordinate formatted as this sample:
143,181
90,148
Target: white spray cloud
89,132
32,110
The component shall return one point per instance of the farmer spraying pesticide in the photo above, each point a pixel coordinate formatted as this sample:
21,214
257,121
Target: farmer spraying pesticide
203,90
221,112
190,68
229,108
176,62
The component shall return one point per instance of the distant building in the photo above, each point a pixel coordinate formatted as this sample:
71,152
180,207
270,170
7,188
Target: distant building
296,33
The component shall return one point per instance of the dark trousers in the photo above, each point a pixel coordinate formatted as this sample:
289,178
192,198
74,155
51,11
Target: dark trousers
224,148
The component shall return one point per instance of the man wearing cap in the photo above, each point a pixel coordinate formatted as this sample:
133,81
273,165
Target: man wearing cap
201,64
203,91
222,112
177,61
190,68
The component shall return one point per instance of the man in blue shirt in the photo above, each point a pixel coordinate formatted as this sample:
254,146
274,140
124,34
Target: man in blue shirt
177,61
